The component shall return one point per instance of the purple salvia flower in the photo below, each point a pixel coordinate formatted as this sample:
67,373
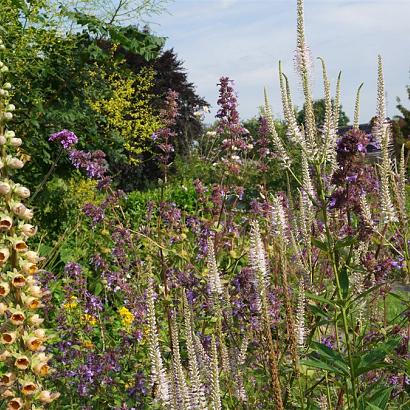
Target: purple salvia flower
93,163
94,212
73,269
228,113
163,136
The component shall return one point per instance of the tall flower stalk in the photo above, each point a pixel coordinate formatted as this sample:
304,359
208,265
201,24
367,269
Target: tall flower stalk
22,336
257,258
159,375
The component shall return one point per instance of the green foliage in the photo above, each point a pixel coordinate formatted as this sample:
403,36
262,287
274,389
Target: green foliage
401,130
132,40
62,201
319,111
64,78
180,192
128,110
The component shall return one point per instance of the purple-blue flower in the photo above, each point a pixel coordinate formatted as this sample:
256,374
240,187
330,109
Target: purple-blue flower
93,163
327,341
94,212
65,137
73,269
351,178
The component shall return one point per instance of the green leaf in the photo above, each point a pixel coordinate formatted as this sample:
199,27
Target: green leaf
372,407
21,5
345,242
344,282
318,298
380,398
98,288
375,358
319,244
318,364
332,356
317,311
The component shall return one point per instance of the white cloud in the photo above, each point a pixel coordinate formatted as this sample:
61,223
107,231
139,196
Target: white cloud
246,39
227,3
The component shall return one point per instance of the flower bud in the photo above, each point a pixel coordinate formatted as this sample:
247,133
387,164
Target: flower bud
7,86
8,115
41,357
4,289
17,318
11,107
31,281
16,142
4,355
18,281
7,379
4,69
22,362
4,255
4,188
22,191
36,320
15,404
28,388
8,338
2,140
5,223
47,397
14,163
18,208
10,134
3,308
28,214
32,256
28,230
7,393
3,92
36,291
40,333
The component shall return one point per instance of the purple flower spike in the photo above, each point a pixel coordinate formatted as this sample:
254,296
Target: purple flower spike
65,137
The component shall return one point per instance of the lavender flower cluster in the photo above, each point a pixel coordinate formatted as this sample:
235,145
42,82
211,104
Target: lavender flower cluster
65,137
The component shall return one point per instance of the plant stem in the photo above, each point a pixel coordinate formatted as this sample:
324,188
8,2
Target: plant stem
335,269
45,179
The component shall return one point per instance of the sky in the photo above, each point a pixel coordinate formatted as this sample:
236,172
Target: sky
245,39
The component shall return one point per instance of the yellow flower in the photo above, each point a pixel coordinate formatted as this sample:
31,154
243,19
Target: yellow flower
91,320
126,317
88,344
72,303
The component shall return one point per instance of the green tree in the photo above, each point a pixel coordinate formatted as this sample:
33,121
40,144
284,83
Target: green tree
401,130
319,109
